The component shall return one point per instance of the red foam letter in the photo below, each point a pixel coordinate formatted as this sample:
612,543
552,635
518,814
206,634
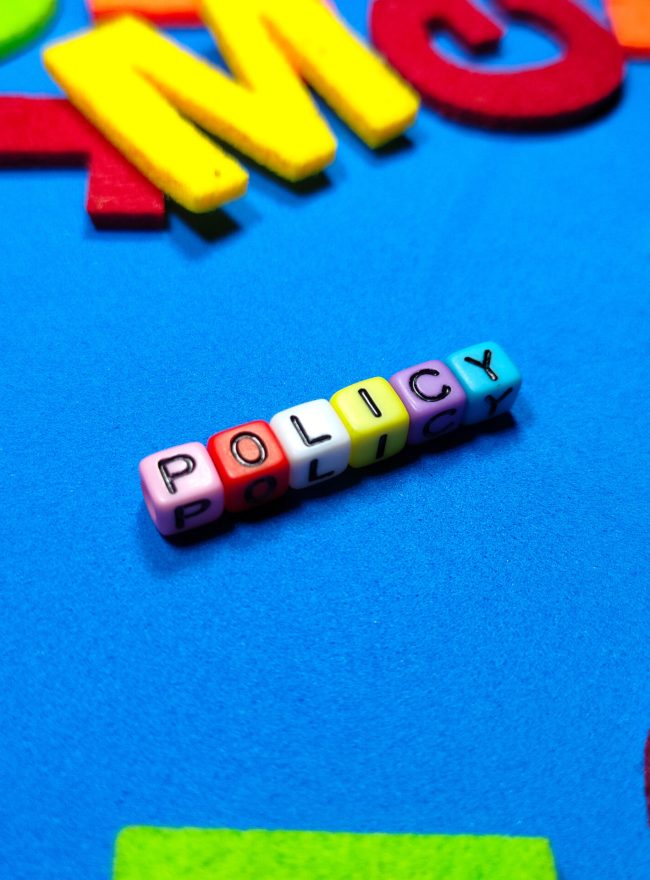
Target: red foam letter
647,775
584,80
50,132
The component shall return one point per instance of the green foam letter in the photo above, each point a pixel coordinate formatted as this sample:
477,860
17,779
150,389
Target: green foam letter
144,853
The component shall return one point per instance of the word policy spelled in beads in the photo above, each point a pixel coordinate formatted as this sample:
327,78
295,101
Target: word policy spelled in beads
190,485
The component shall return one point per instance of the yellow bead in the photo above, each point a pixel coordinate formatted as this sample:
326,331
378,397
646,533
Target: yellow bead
375,418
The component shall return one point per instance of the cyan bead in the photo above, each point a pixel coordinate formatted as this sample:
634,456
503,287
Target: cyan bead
490,379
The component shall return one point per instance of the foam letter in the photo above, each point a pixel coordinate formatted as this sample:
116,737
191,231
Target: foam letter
143,853
131,82
646,775
584,80
167,13
21,21
631,22
50,132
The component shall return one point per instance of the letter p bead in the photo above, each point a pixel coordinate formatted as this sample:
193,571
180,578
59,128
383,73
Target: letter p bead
181,488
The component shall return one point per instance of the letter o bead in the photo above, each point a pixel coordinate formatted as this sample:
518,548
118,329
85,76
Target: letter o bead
181,488
251,463
490,379
434,398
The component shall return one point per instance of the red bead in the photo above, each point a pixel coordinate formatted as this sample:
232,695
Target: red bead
251,463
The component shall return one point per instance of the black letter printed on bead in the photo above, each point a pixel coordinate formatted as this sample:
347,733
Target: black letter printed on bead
314,476
370,403
304,436
413,383
268,486
485,364
170,477
495,401
187,511
240,458
427,428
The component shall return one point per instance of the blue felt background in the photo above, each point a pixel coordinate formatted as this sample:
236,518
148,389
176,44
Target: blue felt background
454,642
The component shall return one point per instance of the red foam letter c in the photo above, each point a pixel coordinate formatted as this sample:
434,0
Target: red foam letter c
585,79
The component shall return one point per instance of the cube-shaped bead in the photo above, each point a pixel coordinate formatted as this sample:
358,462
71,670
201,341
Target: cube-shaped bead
434,398
314,440
251,463
490,379
375,418
181,488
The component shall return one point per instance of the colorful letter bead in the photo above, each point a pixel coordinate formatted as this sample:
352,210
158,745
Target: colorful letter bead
251,463
181,488
315,441
490,379
434,399
375,418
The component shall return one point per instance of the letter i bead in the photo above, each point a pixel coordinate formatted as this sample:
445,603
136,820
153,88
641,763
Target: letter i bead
376,420
187,486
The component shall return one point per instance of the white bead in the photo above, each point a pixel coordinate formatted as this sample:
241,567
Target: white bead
315,441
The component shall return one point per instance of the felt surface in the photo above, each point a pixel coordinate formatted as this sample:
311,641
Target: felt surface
224,854
453,642
21,21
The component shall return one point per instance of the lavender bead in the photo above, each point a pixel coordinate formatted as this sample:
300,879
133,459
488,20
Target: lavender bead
434,398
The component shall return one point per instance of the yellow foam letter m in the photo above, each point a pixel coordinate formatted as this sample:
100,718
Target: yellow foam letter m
141,89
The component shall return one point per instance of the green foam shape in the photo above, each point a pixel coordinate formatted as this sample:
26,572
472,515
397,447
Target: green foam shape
144,853
21,21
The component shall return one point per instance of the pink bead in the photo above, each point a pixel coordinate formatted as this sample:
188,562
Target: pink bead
181,488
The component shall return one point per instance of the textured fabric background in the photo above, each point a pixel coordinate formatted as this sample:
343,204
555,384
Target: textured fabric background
453,642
